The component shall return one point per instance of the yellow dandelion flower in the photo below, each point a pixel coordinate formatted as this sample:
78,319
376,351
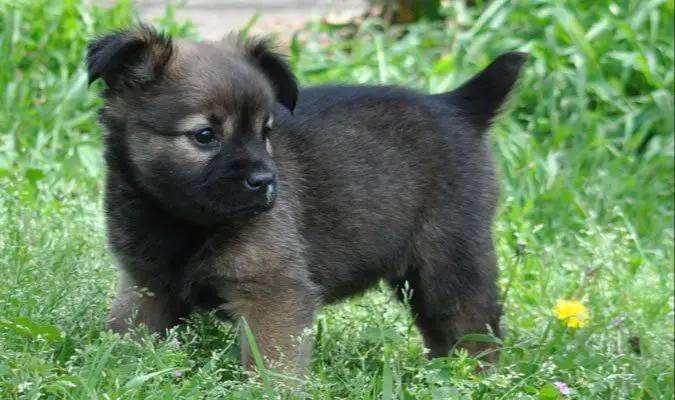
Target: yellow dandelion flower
573,313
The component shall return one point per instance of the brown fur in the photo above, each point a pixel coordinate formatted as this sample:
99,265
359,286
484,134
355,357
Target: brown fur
360,183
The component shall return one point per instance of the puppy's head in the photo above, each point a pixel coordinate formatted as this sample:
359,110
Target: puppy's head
188,122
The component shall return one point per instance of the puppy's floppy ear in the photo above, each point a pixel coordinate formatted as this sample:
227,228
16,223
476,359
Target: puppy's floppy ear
481,97
129,57
276,69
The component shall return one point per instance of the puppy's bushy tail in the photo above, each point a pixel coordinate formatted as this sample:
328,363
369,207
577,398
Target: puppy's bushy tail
481,98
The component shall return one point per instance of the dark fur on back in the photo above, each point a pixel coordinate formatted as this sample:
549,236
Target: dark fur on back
404,178
362,184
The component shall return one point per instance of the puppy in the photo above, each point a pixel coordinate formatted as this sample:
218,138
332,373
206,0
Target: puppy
230,189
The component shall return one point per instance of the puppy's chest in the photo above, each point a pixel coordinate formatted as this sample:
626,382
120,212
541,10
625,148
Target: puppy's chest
243,263
235,263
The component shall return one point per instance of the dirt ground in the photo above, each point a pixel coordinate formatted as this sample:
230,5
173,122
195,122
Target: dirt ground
214,18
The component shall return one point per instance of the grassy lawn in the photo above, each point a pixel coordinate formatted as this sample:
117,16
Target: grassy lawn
586,157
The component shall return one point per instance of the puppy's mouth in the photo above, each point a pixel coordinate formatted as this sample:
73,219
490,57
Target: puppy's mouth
264,201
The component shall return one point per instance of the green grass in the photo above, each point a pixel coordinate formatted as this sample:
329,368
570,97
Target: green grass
587,174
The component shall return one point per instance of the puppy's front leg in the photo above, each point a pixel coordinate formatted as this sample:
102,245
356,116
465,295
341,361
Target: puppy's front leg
278,314
135,305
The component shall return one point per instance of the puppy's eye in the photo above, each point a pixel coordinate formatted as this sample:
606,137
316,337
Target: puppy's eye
205,136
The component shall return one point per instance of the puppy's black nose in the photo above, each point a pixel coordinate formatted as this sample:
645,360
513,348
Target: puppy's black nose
259,179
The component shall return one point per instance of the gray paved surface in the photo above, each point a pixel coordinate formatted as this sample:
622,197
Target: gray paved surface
214,18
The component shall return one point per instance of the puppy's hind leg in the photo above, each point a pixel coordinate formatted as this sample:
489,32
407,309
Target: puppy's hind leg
454,294
137,304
